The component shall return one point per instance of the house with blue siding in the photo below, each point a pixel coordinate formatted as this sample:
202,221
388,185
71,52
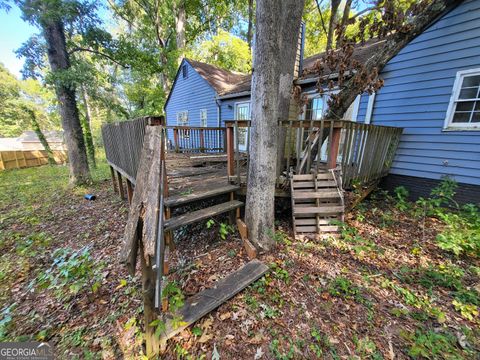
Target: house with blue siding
432,90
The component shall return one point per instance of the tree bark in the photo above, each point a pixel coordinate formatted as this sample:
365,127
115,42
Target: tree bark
277,26
87,129
59,62
343,23
250,24
332,22
40,135
180,18
392,46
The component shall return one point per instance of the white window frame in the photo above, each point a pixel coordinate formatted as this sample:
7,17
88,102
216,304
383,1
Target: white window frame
448,125
182,122
203,117
242,144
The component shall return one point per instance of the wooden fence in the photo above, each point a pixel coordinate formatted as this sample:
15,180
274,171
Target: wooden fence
29,158
123,143
196,139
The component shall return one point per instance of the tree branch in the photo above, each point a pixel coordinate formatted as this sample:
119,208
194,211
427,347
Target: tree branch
81,49
321,16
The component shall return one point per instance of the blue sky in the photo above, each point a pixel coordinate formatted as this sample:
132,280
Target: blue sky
13,32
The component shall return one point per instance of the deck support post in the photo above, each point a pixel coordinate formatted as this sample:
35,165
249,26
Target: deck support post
230,151
120,185
129,191
202,141
334,146
175,139
114,183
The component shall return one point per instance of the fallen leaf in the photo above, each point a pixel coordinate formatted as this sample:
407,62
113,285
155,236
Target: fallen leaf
215,354
258,354
225,316
205,337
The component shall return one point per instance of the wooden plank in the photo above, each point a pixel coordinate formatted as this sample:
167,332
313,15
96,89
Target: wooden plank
144,202
207,300
311,184
178,200
320,176
325,210
319,194
202,214
313,221
313,228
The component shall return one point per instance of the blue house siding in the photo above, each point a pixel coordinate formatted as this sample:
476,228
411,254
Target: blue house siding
228,108
416,95
192,94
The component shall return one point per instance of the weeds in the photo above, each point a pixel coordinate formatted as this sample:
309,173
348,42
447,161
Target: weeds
72,271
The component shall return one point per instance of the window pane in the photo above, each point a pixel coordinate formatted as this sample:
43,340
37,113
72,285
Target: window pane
468,93
469,81
465,106
476,117
477,105
461,117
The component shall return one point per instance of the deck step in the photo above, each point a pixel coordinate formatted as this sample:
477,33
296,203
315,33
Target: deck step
199,215
179,200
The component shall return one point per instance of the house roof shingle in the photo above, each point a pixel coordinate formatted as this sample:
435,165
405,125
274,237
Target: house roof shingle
227,82
223,81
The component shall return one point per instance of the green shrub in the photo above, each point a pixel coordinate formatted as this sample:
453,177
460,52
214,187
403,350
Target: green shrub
401,197
462,232
433,345
70,272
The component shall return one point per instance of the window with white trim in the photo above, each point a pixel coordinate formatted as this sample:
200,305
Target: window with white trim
464,108
203,117
182,118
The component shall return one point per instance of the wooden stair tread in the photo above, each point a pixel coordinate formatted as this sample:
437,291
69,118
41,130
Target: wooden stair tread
319,194
198,215
180,199
311,184
324,210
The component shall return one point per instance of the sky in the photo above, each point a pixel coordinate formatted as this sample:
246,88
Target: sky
13,33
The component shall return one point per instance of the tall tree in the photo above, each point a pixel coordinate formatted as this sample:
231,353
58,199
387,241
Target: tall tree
54,33
276,35
250,24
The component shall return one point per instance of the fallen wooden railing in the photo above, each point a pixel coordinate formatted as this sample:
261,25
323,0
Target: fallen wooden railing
196,139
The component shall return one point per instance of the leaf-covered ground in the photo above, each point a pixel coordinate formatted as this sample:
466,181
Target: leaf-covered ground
382,290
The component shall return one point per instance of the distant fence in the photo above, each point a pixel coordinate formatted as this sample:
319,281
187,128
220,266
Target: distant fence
196,139
123,143
29,158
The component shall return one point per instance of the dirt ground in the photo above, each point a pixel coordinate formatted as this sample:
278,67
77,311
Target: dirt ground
384,290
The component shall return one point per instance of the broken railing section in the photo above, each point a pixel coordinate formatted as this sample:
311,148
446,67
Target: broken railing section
149,233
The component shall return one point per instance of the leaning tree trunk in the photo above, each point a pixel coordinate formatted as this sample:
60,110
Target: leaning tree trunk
41,136
277,26
59,62
87,129
250,24
180,18
377,62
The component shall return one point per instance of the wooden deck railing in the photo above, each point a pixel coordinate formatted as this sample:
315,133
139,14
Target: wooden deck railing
364,152
123,143
196,139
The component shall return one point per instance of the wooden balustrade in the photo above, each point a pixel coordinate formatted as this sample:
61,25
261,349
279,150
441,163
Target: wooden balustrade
196,139
365,152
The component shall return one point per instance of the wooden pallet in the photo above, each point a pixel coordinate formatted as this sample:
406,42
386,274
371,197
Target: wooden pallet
317,200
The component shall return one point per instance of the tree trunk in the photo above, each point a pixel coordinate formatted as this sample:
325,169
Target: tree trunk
180,18
250,24
332,22
87,128
392,46
276,36
41,136
343,23
59,62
